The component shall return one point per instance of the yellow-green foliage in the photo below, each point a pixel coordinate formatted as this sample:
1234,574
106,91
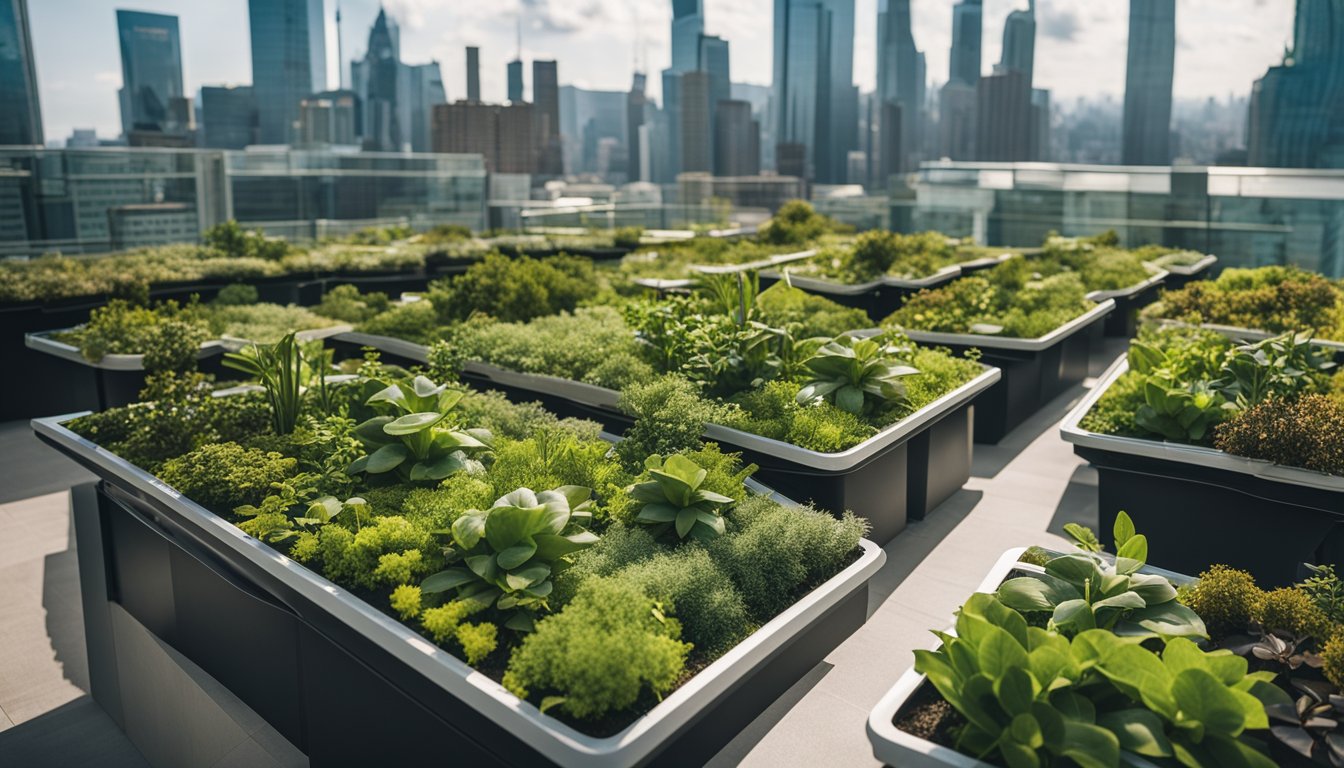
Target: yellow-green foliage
435,509
713,616
1333,657
400,567
478,640
780,550
354,557
226,475
1292,611
405,601
1226,599
600,652
781,305
442,622
1035,556
305,547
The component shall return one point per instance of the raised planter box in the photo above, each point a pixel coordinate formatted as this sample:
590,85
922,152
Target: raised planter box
1236,333
1123,323
901,473
895,747
213,592
878,298
1035,371
116,380
1180,276
1200,505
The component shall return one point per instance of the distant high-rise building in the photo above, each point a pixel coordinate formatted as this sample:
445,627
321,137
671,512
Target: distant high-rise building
546,103
516,81
421,87
688,25
587,118
842,129
714,61
503,134
1040,125
636,108
697,142
1297,108
151,71
20,109
957,121
228,117
289,62
328,118
1148,74
473,73
811,38
378,77
737,140
967,25
900,82
1004,126
1019,41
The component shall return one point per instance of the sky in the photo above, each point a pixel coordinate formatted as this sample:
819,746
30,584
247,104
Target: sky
1223,45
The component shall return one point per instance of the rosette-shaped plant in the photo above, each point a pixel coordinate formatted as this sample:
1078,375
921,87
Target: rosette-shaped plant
421,443
674,500
505,557
856,375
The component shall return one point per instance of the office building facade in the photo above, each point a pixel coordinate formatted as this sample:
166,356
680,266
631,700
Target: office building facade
812,40
546,112
1149,67
20,107
151,73
1297,108
228,117
289,62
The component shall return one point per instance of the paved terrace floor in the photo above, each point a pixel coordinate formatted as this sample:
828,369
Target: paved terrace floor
1021,492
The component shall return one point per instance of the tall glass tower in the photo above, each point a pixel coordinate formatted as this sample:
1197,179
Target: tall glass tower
688,24
1297,108
967,26
1019,41
151,69
20,111
813,80
1148,73
289,62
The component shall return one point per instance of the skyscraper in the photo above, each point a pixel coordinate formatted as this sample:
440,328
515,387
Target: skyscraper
419,88
697,147
151,72
688,24
473,73
842,130
899,82
228,117
1004,130
1019,41
516,81
714,61
546,99
967,23
289,62
20,110
737,140
636,109
1297,108
376,80
1148,74
810,38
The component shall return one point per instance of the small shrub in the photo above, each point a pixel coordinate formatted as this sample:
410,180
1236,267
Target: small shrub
346,304
236,294
1291,610
405,601
516,290
1226,599
1306,432
416,321
226,475
712,613
1332,658
795,223
354,558
600,652
670,416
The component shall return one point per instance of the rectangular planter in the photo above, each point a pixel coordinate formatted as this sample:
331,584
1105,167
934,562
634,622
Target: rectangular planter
878,298
116,380
1201,506
1179,276
1035,371
895,747
1123,323
336,657
1251,335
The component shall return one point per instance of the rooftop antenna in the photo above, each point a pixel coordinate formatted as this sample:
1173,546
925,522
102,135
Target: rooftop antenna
340,56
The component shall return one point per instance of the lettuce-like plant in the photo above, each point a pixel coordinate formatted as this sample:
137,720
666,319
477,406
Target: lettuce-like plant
1173,408
674,500
1283,366
510,552
856,375
420,444
1084,591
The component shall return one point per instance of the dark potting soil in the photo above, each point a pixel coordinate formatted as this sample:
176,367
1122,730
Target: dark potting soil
928,716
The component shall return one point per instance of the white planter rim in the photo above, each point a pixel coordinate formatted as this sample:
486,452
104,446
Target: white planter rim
1187,270
984,341
1155,276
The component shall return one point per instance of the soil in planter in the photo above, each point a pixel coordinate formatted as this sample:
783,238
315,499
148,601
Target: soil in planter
928,716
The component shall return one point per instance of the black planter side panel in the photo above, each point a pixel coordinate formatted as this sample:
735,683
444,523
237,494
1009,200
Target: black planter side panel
139,564
1191,525
940,461
875,490
242,638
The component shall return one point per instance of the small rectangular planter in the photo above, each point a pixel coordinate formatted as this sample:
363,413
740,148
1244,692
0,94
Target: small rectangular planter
1251,335
1180,276
1201,506
1035,371
878,298
1123,323
205,587
116,380
895,747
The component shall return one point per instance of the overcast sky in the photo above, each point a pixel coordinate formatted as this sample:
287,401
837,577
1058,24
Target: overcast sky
1080,50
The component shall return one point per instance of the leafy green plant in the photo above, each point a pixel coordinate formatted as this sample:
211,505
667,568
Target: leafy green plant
1282,366
796,223
1275,299
673,500
279,368
856,375
1326,589
419,444
1085,591
1172,408
1305,432
510,552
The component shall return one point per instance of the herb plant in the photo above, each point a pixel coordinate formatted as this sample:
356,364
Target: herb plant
279,368
673,500
856,375
420,444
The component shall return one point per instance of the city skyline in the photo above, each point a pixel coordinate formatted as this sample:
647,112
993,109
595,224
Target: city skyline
79,70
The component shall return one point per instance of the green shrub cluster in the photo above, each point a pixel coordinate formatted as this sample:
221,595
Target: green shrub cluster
880,253
797,223
783,306
1274,299
1303,432
516,290
346,304
222,475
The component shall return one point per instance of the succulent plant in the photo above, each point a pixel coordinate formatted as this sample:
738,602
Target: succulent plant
419,444
856,375
674,501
